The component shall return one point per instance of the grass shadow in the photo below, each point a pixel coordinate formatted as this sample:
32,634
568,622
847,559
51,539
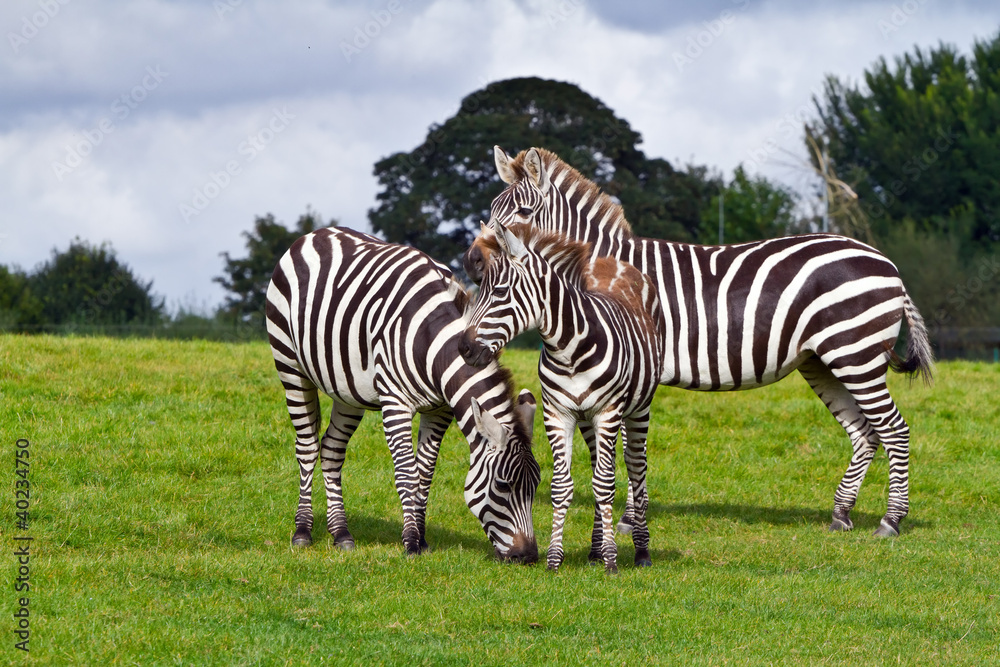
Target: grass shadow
775,516
370,529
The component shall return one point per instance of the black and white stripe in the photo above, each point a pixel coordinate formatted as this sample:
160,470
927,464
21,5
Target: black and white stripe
744,316
600,366
377,327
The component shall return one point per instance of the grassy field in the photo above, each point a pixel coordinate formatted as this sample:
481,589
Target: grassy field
163,486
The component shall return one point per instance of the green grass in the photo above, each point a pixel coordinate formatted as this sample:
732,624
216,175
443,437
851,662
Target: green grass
163,493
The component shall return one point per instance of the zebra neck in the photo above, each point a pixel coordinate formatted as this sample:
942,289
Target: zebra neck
561,329
584,213
490,386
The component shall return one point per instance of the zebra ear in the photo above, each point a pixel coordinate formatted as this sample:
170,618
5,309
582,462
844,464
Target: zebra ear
509,243
495,433
533,165
525,411
502,160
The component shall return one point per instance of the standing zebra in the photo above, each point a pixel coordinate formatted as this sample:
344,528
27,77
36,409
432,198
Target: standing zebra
377,327
744,316
601,363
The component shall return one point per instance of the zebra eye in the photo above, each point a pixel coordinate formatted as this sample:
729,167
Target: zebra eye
501,291
502,486
525,211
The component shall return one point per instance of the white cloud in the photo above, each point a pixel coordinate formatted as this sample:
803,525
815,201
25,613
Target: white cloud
745,93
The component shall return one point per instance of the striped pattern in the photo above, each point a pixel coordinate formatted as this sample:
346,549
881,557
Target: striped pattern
601,363
377,326
744,316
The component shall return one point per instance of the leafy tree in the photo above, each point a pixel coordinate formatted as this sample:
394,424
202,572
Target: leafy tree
88,285
434,196
921,140
19,308
754,208
247,278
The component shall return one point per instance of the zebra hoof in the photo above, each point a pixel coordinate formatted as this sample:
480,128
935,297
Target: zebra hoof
642,558
841,523
624,527
345,544
886,529
302,537
595,558
611,568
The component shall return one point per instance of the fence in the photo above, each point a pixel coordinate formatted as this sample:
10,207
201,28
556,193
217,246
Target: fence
981,343
975,343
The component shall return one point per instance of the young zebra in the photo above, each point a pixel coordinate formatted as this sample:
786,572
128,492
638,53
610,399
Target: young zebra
377,327
747,315
601,363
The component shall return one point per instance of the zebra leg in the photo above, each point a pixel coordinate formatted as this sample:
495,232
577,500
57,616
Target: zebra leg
344,421
432,429
302,401
891,430
559,429
606,429
397,420
627,521
846,411
634,434
597,534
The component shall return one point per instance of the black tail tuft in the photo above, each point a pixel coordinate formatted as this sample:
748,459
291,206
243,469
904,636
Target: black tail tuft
919,356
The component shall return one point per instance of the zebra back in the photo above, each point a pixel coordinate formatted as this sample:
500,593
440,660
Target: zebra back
735,316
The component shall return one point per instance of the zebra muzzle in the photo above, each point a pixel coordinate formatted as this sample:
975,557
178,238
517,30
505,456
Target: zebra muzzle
473,352
523,551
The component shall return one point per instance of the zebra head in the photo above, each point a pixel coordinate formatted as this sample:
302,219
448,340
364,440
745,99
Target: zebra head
502,480
509,302
523,201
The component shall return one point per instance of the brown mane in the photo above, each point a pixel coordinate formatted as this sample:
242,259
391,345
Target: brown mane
605,276
563,177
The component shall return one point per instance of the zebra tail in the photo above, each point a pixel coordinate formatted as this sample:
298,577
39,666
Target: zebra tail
919,356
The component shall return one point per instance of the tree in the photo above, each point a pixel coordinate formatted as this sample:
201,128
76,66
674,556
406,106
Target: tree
19,308
920,144
754,208
247,278
434,196
88,285
921,141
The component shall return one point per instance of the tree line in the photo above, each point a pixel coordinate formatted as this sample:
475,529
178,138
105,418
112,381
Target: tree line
910,158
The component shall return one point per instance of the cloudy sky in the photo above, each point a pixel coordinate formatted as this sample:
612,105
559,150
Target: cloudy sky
165,127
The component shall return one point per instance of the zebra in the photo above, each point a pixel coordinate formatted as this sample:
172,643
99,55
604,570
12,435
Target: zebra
747,315
600,364
377,326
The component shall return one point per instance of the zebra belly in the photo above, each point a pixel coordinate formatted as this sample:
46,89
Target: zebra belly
747,380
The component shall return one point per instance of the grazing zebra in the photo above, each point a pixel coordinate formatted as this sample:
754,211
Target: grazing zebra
744,316
601,363
377,327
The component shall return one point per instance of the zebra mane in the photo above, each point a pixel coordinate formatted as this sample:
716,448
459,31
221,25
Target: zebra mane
599,206
566,255
606,276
